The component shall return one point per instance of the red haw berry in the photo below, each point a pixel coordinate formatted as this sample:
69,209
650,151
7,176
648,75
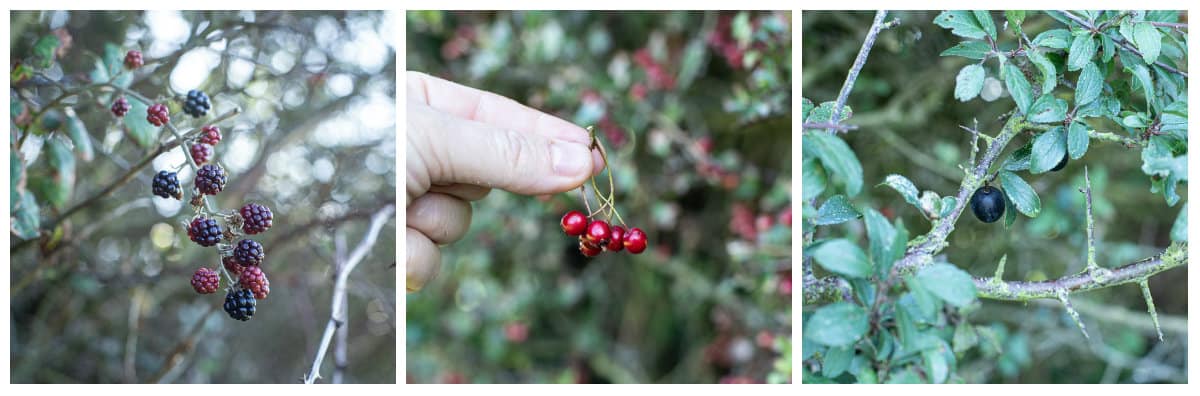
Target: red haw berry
588,249
635,241
598,232
574,223
616,239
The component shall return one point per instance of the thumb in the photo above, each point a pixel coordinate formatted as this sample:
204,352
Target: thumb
454,150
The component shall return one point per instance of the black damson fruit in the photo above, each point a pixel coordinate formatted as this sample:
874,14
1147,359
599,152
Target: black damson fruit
988,204
1061,164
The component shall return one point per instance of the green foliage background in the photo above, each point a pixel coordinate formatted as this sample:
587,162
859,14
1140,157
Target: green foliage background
709,300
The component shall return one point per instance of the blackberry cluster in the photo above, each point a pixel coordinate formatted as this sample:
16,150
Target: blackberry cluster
204,231
197,104
166,185
120,107
210,135
205,281
133,59
232,265
210,179
239,304
201,152
255,218
158,115
254,280
249,253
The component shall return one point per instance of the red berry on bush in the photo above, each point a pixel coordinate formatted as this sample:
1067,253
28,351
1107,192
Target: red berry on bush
157,114
255,218
120,107
635,240
201,152
616,239
255,280
133,59
597,232
588,249
210,135
574,223
205,281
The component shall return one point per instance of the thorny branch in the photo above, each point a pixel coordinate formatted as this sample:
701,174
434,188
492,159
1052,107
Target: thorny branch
859,61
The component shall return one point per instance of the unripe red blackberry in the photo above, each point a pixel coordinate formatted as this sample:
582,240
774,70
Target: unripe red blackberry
255,280
232,265
248,253
205,281
210,135
158,115
204,231
210,179
120,107
255,218
201,152
133,59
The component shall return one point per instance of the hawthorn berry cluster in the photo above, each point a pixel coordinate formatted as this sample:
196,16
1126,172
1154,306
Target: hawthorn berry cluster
596,236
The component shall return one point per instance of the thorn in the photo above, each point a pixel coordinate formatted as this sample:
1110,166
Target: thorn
1062,296
1145,284
1000,269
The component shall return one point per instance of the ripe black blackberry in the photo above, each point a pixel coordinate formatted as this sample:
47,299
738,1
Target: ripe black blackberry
210,135
120,107
255,280
157,114
204,231
133,59
210,179
196,104
248,253
166,185
255,218
205,280
201,152
239,304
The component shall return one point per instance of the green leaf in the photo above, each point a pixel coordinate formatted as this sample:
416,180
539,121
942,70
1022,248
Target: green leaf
1018,87
899,243
1010,213
986,22
44,50
961,23
1148,41
1015,19
903,186
1054,38
837,360
1021,194
16,170
1083,47
1109,48
837,325
1048,109
26,218
1174,119
1179,230
1142,78
110,67
948,205
1077,139
836,210
936,366
969,82
1048,150
806,106
136,126
814,179
880,234
1043,64
1019,160
1089,85
969,49
839,160
842,257
79,136
824,113
948,283
57,186
689,66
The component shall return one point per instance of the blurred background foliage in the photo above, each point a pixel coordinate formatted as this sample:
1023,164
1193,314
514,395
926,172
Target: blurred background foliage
909,122
104,295
694,108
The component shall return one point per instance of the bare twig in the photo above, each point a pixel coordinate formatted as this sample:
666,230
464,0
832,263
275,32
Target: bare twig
859,61
184,347
337,315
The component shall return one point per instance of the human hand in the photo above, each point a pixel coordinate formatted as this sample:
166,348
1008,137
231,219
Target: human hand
460,143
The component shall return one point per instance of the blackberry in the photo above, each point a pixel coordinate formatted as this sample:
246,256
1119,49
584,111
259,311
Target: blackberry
232,265
255,218
239,304
254,280
166,185
201,152
210,135
248,253
197,104
205,281
157,114
120,107
210,179
204,231
133,59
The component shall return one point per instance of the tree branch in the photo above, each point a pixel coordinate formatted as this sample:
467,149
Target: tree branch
859,61
1119,40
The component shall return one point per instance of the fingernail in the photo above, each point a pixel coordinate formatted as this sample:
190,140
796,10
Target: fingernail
570,159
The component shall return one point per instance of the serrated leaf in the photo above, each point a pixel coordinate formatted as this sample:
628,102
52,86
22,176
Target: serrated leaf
969,82
947,282
1043,64
824,113
837,325
1089,85
80,137
1048,109
1054,38
838,159
903,186
1083,47
814,179
1148,41
1048,150
961,23
836,210
986,22
1021,194
1015,19
806,106
1018,87
1108,48
1077,139
969,49
842,257
16,169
